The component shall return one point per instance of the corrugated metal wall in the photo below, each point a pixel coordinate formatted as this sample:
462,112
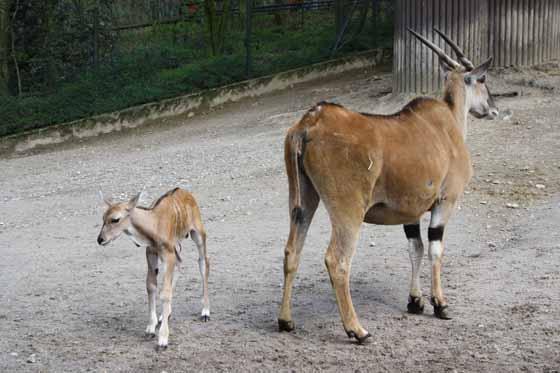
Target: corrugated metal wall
515,32
524,32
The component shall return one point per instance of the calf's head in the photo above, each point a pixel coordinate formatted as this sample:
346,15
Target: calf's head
116,219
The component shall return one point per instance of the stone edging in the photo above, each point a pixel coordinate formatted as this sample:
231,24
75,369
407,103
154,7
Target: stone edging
194,103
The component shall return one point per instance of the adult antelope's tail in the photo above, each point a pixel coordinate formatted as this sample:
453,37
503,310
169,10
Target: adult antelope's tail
294,150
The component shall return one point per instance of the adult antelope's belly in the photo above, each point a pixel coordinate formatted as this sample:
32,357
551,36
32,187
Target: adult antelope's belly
402,208
384,215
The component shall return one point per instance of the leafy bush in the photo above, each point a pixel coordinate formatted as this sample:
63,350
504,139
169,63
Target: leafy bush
169,60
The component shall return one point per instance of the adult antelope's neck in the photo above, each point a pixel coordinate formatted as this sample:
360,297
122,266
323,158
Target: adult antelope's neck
455,96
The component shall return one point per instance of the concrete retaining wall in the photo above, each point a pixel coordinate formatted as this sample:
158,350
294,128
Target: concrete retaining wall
194,103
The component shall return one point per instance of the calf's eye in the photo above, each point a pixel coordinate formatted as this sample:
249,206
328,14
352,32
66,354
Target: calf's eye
115,220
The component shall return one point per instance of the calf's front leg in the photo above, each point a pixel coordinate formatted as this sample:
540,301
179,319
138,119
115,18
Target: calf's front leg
151,287
166,295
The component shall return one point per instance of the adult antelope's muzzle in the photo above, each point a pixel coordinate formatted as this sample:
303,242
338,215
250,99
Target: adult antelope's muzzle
493,113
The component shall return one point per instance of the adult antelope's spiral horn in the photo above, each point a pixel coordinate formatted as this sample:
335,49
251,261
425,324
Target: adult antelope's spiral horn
462,58
448,60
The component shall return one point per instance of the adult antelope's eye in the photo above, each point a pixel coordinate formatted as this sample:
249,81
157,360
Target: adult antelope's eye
115,220
482,79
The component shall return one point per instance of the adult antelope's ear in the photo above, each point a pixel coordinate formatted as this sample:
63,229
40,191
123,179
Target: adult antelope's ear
480,72
134,201
106,201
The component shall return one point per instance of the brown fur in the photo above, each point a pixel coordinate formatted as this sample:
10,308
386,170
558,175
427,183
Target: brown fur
379,169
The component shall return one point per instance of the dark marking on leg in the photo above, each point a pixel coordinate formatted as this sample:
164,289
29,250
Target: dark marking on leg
161,348
415,305
156,271
412,231
435,234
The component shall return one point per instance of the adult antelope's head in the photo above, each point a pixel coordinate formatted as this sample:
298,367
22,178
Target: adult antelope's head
116,219
478,100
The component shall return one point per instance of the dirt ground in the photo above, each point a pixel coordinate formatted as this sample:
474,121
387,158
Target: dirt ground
70,305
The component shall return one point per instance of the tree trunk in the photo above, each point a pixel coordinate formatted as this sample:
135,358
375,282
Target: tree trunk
217,26
339,14
5,43
279,16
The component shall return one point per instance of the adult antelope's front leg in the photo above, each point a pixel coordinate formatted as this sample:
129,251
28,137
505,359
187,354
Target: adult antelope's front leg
338,260
199,238
439,218
416,252
166,294
151,287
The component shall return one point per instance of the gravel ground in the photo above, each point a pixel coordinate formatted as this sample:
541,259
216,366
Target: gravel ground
70,305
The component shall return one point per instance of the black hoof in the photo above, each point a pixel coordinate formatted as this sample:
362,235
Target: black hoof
161,348
415,305
441,311
361,340
285,325
205,318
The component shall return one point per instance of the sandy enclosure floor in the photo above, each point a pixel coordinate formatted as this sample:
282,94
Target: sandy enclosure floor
69,305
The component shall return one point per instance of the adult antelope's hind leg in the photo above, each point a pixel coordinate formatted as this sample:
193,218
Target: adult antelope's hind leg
440,216
166,294
300,220
338,260
199,237
416,252
151,287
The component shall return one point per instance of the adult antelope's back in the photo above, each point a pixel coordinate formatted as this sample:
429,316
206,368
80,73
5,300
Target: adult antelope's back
383,169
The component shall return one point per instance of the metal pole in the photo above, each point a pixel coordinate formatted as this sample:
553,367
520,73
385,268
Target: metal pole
248,24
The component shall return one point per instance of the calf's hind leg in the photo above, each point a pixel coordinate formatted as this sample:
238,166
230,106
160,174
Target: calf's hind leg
199,237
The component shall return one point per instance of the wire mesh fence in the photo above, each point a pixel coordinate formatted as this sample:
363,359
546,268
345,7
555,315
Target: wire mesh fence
68,59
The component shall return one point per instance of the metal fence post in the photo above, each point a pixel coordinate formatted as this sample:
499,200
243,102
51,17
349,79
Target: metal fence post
248,29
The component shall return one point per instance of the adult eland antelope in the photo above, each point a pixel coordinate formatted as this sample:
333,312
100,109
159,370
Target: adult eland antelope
160,228
383,169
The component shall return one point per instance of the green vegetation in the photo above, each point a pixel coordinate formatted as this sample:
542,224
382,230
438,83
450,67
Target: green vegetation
169,60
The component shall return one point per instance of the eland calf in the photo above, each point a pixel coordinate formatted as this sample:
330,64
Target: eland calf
383,169
160,228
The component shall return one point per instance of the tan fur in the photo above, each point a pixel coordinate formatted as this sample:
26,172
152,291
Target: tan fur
379,169
160,228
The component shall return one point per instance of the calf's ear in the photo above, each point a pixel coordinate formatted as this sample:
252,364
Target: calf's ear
106,201
134,201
